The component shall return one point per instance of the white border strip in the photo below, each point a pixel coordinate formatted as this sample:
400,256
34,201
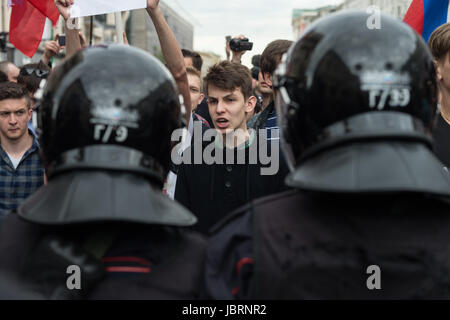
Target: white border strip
448,14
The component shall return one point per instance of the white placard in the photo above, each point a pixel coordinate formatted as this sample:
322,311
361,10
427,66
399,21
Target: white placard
85,8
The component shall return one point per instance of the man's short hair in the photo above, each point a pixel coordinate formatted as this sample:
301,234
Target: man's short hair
272,55
255,72
197,60
12,90
32,81
195,72
4,66
439,42
229,76
3,77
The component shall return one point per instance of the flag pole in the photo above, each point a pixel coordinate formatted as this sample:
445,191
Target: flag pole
119,27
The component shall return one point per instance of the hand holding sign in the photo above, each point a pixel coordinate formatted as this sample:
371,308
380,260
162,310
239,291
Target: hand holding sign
63,7
152,4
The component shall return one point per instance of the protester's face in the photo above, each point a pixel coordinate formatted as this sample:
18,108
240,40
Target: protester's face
254,84
14,117
195,90
13,72
264,87
443,71
228,109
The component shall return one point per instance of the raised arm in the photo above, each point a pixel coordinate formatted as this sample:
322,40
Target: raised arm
73,43
171,52
52,48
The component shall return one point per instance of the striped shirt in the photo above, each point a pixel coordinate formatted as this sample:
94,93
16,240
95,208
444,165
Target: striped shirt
17,184
266,119
271,124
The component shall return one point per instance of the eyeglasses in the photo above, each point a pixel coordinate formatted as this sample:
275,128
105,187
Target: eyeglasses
38,72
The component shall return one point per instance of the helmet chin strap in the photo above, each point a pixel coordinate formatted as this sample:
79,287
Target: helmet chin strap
110,158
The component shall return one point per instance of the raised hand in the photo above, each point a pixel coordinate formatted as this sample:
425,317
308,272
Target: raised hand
152,4
52,48
63,7
237,55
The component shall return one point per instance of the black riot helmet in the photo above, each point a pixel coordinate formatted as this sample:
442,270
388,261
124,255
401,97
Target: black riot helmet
105,120
352,97
110,108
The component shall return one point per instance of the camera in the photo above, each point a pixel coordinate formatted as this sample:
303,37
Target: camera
241,45
62,40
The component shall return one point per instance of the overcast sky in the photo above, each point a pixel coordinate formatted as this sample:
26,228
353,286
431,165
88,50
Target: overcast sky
260,20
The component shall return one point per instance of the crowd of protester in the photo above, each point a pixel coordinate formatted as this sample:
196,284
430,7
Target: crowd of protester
79,174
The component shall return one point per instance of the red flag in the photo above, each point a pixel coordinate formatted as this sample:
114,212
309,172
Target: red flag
47,8
28,22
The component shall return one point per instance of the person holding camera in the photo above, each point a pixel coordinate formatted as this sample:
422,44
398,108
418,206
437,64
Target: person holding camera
53,48
270,59
238,46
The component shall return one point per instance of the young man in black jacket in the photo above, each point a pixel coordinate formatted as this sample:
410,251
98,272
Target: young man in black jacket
216,177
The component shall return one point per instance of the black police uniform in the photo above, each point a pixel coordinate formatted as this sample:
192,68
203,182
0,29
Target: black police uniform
105,125
139,262
370,218
324,243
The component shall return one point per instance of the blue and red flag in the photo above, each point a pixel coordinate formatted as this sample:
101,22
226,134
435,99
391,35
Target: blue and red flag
28,21
425,16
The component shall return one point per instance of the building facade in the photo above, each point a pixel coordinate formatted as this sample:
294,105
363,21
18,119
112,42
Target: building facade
142,33
396,8
302,18
209,59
